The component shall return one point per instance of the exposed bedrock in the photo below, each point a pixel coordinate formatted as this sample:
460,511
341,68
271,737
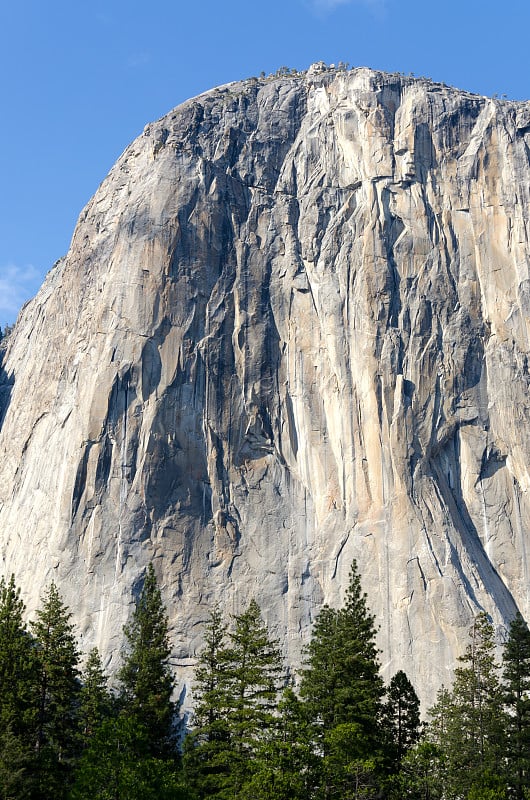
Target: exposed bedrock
291,330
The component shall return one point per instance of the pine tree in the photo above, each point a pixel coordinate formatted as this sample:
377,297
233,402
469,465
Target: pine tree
110,768
17,679
210,675
207,750
16,766
237,687
252,680
421,775
57,695
431,760
146,678
342,690
473,743
516,686
282,760
95,699
251,688
17,661
402,716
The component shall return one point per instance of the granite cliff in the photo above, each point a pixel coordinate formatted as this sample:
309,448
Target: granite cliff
292,329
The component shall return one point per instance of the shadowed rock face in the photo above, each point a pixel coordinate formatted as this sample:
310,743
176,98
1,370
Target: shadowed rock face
291,330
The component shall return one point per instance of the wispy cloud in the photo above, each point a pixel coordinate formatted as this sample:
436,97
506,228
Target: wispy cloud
139,59
17,284
326,6
103,18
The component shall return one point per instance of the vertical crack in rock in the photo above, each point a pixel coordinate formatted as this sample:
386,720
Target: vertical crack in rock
291,330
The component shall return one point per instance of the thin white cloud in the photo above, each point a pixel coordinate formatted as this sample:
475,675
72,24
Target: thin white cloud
329,5
326,6
103,18
17,284
139,59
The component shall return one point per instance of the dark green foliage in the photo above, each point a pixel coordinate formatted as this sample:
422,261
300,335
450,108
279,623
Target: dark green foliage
421,775
58,674
347,771
210,675
280,766
253,667
424,769
57,695
401,716
17,709
112,769
468,723
207,750
476,721
146,678
342,692
17,663
516,686
16,766
95,700
237,690
341,681
338,740
130,749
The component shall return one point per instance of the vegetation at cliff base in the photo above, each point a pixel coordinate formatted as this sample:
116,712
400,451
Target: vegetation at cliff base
333,732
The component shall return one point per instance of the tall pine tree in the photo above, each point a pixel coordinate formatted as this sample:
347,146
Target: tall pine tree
402,716
237,687
473,738
282,763
207,749
17,660
516,686
252,678
17,708
342,690
95,699
57,695
146,677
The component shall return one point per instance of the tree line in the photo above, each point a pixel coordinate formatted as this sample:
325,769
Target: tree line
258,731
6,332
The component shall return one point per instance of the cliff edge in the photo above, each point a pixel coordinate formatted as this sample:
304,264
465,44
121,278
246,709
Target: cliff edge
291,330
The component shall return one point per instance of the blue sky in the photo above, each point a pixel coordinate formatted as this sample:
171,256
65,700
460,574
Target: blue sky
80,80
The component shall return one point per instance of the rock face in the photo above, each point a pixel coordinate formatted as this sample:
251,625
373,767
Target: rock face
292,330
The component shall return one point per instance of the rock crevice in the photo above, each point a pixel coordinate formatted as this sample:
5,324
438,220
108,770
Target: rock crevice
291,330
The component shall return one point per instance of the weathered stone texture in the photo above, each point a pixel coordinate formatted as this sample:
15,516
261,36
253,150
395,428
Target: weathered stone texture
291,330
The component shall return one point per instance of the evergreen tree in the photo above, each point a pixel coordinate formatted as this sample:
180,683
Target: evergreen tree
342,690
516,675
16,766
57,695
207,749
146,678
421,774
95,700
237,689
431,760
472,741
17,662
402,716
17,679
281,763
252,680
110,768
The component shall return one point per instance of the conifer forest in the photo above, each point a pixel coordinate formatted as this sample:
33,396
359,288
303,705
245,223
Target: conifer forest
259,731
